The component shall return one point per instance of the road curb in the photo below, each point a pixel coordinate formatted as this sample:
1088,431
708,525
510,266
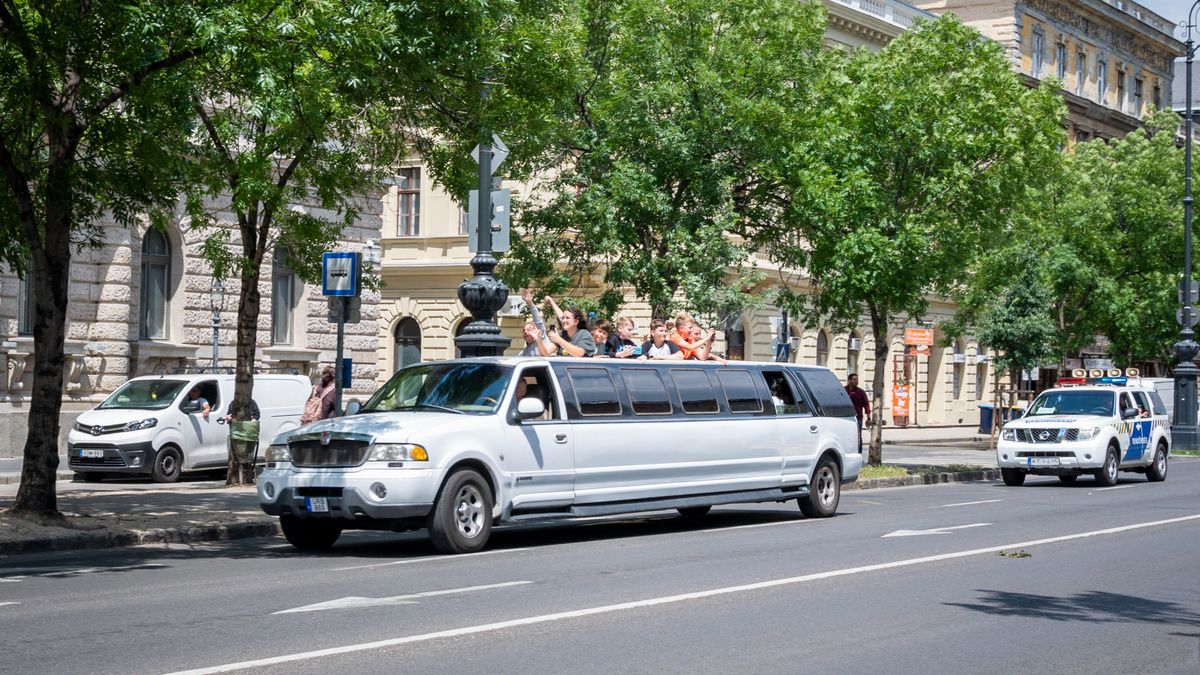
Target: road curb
120,538
15,478
923,479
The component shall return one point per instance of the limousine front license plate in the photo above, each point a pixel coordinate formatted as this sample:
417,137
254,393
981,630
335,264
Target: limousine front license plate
94,454
316,504
1043,461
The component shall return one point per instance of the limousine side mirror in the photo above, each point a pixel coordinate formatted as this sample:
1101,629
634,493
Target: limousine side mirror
530,408
353,407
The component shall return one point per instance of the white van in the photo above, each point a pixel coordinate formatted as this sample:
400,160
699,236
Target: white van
148,426
454,446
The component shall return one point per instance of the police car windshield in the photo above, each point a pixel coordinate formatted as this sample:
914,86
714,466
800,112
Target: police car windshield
144,395
472,388
1073,403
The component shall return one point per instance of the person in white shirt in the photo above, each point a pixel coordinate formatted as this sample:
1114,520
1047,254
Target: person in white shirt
658,347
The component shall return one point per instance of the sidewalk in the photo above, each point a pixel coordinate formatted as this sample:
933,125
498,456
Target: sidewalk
129,512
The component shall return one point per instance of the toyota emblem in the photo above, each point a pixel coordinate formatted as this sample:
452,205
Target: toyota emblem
325,436
97,430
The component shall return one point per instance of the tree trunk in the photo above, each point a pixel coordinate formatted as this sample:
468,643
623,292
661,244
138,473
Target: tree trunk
883,347
249,306
50,275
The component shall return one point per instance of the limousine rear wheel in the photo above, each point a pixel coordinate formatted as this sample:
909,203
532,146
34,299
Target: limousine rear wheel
824,491
461,520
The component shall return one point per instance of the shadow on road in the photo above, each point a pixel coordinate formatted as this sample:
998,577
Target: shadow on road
1091,607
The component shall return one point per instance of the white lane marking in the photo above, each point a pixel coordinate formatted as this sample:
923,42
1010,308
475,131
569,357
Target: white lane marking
443,558
752,526
354,602
665,600
1115,487
936,530
11,580
2,604
57,574
982,501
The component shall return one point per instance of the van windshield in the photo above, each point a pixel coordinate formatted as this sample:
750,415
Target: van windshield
144,395
471,388
1073,403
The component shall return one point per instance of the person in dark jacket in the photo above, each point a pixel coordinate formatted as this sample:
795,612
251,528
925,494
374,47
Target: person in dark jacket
861,402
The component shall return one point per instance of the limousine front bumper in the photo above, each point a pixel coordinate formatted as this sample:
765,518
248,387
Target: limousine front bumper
385,494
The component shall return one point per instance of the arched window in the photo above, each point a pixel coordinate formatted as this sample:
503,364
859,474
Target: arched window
283,299
156,280
408,343
822,348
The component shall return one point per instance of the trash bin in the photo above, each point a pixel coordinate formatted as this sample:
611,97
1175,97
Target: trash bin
986,411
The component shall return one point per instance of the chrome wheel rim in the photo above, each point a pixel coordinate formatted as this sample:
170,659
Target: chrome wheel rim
826,489
468,511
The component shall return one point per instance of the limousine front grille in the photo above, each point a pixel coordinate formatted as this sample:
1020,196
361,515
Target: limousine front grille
338,453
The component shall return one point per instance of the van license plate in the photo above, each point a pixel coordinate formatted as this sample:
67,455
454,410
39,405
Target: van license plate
316,504
94,454
1043,461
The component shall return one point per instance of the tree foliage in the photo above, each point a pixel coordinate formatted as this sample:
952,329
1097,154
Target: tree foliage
679,106
926,152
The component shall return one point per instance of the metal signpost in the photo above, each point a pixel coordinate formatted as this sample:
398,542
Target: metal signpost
1185,435
341,281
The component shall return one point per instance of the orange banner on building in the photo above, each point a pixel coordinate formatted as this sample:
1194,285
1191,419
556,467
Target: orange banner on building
900,395
918,336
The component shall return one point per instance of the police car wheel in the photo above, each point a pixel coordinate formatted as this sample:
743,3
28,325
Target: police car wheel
1107,474
1013,477
1068,478
1157,471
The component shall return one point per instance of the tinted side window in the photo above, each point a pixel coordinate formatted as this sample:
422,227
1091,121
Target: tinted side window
647,393
830,395
1160,408
740,391
594,391
695,391
786,400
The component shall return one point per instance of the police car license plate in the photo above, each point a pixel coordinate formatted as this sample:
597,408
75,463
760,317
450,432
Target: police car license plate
1043,461
316,504
93,454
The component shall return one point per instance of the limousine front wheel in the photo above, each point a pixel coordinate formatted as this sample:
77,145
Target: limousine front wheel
824,490
461,519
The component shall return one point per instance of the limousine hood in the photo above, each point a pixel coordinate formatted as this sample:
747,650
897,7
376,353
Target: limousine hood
389,427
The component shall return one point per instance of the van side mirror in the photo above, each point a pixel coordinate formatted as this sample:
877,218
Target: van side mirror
530,408
190,407
1129,413
353,407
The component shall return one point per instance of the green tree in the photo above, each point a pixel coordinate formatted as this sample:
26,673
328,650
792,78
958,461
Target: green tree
680,107
925,154
92,117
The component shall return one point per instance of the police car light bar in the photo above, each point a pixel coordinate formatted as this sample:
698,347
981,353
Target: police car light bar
1113,376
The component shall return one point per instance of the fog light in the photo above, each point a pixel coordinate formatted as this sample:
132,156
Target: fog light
1087,456
379,490
136,460
269,489
1004,456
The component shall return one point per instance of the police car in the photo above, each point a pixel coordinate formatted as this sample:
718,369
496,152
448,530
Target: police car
1100,427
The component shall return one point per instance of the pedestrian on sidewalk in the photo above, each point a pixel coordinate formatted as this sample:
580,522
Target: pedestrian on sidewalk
861,403
320,403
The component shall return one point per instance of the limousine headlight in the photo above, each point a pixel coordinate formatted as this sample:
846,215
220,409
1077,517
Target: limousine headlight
397,452
1008,435
279,453
148,423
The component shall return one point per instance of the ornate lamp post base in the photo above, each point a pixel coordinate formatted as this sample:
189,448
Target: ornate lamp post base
1185,434
483,295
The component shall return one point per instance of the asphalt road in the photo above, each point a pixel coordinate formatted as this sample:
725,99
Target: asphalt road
975,578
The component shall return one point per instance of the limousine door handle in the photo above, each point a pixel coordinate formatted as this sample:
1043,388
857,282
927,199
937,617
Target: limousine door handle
812,428
560,438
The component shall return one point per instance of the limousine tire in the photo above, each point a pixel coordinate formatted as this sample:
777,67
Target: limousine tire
168,464
461,519
824,491
308,534
694,511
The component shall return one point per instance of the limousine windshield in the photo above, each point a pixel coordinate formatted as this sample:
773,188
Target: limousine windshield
464,388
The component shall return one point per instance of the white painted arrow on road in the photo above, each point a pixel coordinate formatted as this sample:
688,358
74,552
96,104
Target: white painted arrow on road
355,602
936,530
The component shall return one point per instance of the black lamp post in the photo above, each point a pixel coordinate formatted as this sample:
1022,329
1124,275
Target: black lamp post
1184,433
483,294
216,302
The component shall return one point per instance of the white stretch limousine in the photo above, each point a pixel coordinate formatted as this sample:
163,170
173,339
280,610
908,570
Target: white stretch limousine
455,446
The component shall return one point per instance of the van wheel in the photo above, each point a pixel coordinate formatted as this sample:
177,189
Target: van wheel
309,534
694,511
168,464
1157,471
1107,474
461,520
1013,477
824,491
1068,478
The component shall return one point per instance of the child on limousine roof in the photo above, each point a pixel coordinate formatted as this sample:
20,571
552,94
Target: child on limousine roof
658,347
